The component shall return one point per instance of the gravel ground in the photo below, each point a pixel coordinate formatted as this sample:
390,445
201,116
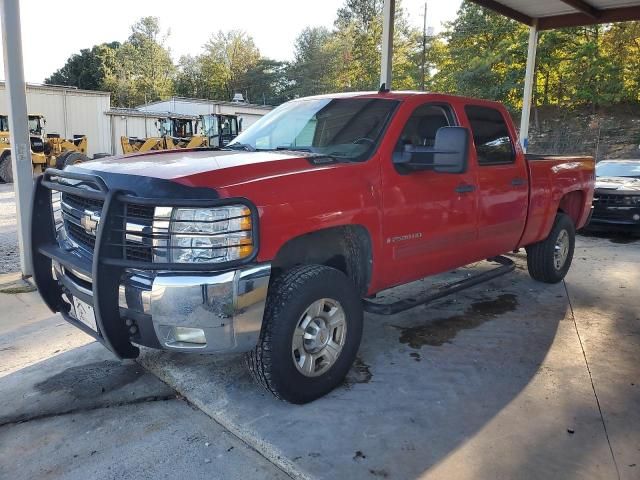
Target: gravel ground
9,256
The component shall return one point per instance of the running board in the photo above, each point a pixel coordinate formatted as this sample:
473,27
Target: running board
506,265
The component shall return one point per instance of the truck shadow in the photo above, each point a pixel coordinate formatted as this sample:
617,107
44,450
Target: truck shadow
426,381
614,237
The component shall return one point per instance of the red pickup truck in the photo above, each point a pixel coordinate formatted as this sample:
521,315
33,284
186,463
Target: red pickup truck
275,244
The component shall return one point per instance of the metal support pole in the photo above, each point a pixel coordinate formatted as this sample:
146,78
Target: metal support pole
389,13
18,126
528,86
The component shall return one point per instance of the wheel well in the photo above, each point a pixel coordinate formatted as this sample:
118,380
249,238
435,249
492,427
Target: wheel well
572,204
345,248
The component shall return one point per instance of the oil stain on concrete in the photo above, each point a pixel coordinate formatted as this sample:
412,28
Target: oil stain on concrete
86,381
443,330
360,373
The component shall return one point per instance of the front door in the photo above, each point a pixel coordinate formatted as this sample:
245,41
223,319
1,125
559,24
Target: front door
429,221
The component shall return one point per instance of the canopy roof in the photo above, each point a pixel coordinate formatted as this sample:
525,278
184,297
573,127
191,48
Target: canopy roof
548,14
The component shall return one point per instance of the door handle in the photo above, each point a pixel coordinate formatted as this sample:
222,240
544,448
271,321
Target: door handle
518,182
465,188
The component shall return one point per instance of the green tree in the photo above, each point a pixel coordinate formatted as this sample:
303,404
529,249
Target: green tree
484,56
313,69
190,80
153,69
267,82
87,69
227,59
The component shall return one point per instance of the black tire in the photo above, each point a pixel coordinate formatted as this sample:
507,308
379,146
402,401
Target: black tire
6,169
271,363
61,158
75,157
541,259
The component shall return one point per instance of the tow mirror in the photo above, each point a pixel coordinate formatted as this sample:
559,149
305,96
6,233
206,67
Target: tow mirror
449,154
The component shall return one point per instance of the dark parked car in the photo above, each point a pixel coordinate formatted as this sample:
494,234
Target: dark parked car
616,202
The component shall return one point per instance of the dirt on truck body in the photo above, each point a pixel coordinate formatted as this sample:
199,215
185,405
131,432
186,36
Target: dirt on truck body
276,244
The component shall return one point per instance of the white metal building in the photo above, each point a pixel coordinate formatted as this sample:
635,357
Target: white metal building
68,112
249,113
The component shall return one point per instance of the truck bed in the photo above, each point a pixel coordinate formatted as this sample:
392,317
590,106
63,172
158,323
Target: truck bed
557,182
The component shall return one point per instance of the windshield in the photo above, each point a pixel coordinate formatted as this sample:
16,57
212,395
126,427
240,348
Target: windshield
182,128
35,126
343,127
615,169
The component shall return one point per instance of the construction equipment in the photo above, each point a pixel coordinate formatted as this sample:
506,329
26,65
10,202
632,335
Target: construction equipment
46,150
175,132
220,129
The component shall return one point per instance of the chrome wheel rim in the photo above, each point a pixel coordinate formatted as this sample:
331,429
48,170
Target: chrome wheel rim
561,249
319,337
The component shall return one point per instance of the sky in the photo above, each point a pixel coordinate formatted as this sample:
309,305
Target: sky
54,30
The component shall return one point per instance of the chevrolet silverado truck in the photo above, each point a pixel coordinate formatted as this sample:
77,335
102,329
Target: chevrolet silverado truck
276,244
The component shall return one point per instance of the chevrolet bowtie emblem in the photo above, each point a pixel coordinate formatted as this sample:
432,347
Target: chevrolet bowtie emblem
90,221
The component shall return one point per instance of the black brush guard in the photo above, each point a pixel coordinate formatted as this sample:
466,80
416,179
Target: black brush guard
109,262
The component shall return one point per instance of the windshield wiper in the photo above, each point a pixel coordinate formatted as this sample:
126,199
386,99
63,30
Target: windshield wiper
294,149
240,146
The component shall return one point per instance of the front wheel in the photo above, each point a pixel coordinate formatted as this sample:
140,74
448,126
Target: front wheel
549,260
310,335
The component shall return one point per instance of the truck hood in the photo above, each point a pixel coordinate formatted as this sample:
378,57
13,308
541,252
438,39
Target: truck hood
618,183
175,164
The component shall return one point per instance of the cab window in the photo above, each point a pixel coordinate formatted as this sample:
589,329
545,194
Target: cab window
490,135
421,128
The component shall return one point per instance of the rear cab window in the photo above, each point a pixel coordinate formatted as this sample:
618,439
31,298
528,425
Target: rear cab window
494,145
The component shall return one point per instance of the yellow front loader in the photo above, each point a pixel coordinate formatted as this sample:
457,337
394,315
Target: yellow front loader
46,150
175,133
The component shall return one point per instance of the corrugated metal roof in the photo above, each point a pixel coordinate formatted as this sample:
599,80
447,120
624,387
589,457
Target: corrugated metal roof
565,13
208,102
132,112
61,88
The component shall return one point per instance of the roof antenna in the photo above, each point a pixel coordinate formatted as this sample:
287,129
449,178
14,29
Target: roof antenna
383,88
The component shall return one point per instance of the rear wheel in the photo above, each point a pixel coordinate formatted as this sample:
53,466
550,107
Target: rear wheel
310,334
6,169
549,260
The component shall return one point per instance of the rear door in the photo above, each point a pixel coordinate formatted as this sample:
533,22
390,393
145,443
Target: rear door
502,180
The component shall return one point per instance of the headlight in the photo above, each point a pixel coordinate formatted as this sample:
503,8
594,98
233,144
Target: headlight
210,235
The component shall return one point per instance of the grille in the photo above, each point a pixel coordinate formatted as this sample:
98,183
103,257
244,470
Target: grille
138,219
141,215
79,235
73,208
140,211
605,200
81,203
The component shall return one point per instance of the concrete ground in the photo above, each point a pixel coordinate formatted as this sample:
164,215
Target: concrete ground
9,255
70,410
512,379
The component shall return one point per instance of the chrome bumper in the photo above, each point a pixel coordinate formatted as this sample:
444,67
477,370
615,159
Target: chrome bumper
227,306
